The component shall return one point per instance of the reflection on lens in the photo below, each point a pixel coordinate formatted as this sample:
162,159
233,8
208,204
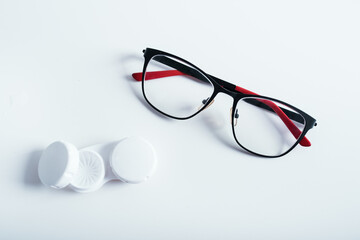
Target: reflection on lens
176,88
267,127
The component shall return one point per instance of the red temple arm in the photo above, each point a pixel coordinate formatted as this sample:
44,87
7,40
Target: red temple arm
157,74
289,124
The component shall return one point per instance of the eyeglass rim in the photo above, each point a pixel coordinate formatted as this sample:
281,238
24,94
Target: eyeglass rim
183,60
307,127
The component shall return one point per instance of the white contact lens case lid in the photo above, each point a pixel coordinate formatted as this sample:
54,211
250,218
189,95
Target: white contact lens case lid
58,164
131,160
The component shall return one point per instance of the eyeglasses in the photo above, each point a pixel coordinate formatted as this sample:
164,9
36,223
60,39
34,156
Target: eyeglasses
261,125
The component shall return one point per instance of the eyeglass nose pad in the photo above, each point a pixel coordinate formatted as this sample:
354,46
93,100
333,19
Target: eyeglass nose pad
236,116
204,102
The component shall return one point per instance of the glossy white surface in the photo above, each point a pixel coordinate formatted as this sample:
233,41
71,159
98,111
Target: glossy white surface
133,160
65,71
58,164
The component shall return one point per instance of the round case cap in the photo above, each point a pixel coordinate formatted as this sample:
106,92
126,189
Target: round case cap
58,163
133,160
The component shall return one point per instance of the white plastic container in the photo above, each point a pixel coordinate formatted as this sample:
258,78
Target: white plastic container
131,160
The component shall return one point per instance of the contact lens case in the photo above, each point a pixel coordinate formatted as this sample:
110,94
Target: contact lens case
130,160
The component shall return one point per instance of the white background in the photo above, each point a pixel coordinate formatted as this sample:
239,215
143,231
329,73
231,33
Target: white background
65,74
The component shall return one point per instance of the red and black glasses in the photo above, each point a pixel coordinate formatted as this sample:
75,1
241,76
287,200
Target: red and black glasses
261,125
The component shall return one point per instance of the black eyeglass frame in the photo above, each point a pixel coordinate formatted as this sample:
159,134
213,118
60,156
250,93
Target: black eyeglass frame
221,86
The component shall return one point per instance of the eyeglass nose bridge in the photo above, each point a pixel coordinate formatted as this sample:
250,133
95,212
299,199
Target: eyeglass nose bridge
223,89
